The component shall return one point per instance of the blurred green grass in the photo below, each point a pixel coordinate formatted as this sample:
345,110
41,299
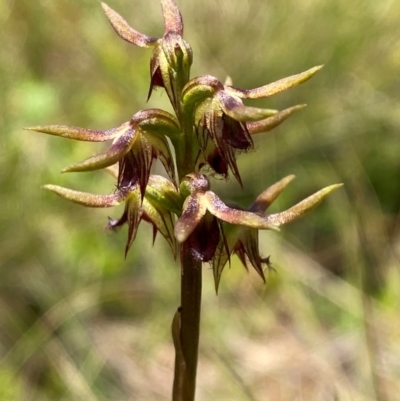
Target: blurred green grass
77,321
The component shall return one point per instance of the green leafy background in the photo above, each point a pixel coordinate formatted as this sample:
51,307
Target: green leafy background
79,322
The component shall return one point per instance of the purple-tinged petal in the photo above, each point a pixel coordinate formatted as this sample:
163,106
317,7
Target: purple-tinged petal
264,200
121,145
194,209
270,123
79,134
274,87
86,199
172,17
125,31
234,216
299,210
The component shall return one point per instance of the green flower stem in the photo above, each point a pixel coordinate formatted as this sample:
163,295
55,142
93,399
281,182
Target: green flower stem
185,370
183,163
186,148
188,329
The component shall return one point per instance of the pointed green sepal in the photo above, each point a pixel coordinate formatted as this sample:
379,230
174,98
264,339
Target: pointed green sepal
125,31
172,17
275,87
121,145
79,134
303,207
234,216
270,123
264,200
86,199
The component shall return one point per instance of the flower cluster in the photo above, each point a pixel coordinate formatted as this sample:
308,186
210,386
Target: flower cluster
211,127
